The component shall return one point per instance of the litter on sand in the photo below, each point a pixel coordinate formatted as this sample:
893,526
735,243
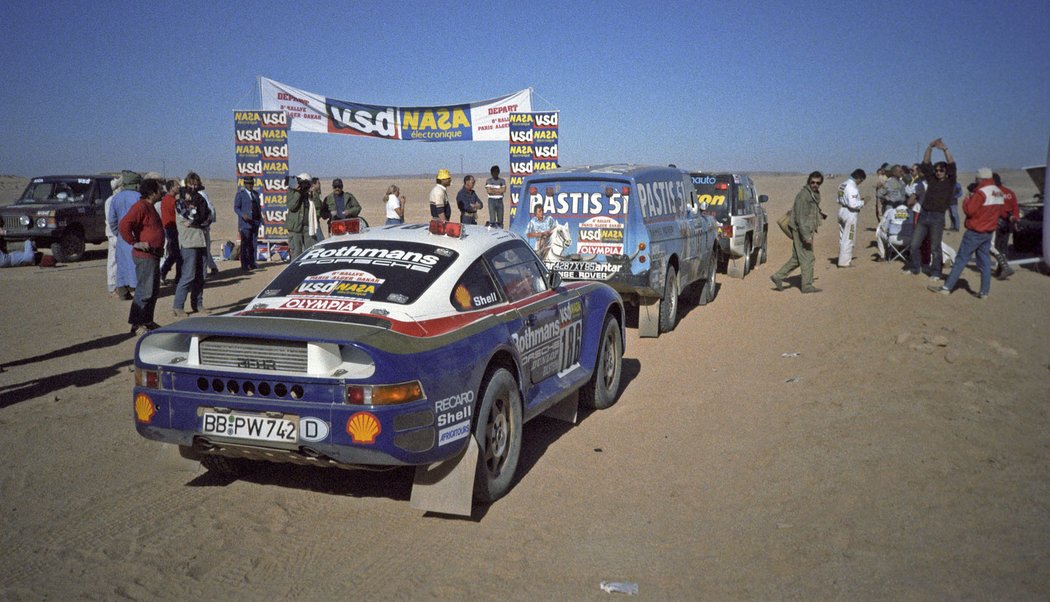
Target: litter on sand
793,379
790,354
620,587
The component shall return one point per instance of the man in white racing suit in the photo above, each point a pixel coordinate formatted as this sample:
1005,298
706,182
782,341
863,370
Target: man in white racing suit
850,205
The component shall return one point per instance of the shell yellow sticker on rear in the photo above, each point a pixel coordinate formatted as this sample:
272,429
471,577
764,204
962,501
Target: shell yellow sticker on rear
363,427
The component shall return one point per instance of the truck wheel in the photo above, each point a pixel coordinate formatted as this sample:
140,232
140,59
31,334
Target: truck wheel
669,303
600,391
498,433
763,252
707,294
69,248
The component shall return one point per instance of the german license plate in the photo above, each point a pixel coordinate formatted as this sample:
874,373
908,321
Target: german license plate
251,426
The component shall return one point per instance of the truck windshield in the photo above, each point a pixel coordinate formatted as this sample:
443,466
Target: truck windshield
74,190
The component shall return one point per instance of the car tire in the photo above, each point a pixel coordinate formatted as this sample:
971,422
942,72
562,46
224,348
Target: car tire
763,251
601,390
669,302
223,466
498,434
710,286
69,248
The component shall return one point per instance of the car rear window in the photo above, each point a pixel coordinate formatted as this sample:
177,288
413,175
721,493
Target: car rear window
716,191
363,270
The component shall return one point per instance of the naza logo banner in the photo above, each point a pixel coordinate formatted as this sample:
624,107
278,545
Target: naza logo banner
533,148
432,124
261,147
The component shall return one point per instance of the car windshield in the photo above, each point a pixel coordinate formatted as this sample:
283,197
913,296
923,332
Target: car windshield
339,276
714,190
73,190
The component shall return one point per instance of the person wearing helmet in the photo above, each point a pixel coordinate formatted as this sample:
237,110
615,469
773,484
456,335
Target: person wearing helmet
439,207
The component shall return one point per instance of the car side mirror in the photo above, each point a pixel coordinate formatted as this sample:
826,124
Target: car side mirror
553,279
762,198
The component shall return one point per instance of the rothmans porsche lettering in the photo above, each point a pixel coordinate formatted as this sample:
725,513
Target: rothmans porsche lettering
363,255
336,305
533,337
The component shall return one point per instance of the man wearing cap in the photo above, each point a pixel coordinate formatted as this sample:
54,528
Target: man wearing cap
982,209
296,219
439,207
249,216
940,186
339,205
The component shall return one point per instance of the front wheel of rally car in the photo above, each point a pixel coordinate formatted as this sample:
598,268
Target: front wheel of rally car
707,293
669,304
601,390
763,251
498,434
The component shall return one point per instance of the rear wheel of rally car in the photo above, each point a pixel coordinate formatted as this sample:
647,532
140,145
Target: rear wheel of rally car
69,248
669,304
707,293
223,466
600,392
498,434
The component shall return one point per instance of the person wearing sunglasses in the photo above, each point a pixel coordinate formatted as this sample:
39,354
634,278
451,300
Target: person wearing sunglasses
805,217
940,181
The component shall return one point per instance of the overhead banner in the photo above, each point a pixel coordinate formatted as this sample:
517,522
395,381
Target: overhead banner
482,121
262,152
533,149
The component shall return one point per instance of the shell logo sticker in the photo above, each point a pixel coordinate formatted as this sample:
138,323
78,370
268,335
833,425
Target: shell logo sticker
363,427
144,408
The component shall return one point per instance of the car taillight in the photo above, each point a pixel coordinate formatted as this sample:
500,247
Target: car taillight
147,378
346,226
721,186
384,394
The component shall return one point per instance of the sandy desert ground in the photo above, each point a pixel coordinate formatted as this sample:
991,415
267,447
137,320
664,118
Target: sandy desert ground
874,441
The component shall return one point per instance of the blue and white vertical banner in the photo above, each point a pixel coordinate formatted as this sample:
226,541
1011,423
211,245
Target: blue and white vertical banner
483,120
533,148
262,152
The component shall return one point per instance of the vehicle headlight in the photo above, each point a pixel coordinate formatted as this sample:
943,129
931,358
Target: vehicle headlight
41,222
24,220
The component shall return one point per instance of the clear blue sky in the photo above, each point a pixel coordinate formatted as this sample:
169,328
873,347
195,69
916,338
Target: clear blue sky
756,86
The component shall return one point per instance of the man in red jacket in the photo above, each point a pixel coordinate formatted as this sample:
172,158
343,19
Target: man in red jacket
142,229
983,209
1007,224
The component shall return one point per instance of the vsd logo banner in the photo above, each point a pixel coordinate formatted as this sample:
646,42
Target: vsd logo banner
484,120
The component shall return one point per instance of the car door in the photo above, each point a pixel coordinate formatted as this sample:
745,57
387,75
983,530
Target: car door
95,216
549,333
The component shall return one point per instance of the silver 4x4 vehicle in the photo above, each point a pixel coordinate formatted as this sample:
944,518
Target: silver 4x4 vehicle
742,222
61,213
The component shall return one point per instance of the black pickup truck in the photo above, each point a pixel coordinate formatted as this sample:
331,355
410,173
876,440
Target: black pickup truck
61,213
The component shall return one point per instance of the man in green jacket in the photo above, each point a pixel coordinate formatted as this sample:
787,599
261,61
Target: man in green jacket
296,220
339,205
805,217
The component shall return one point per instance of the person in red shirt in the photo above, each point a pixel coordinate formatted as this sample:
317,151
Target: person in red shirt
172,254
142,229
983,209
1007,224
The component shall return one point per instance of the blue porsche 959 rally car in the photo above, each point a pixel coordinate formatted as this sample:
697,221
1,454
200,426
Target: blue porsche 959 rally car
426,345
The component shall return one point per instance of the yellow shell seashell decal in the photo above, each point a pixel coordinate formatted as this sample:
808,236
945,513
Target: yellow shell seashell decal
144,409
363,427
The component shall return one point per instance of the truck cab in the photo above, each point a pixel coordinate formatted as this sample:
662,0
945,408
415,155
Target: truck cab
742,222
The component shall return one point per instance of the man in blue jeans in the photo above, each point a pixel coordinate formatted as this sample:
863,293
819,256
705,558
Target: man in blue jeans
940,186
983,210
